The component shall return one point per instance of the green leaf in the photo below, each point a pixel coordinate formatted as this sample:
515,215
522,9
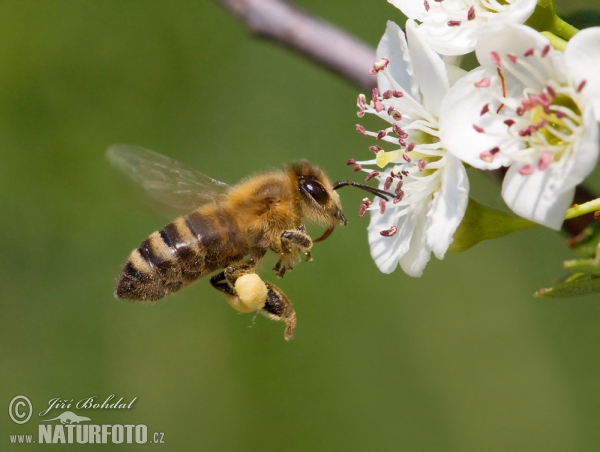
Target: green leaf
572,288
483,223
585,266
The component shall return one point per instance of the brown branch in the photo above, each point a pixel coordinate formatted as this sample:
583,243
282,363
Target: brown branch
341,53
315,38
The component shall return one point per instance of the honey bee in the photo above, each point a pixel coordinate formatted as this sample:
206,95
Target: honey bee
230,228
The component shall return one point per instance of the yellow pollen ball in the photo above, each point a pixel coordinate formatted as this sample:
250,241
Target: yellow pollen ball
251,293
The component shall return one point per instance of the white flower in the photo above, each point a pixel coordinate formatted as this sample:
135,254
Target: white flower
430,186
450,26
533,109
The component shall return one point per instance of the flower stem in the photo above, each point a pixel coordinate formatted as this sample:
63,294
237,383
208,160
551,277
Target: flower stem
581,209
545,19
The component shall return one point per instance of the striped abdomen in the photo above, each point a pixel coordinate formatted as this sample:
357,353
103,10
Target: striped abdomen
183,251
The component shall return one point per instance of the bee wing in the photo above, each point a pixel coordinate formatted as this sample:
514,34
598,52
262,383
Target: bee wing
171,182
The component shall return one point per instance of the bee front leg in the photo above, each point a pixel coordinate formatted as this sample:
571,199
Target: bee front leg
293,242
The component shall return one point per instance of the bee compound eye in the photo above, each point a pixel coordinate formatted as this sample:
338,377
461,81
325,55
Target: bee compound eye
315,189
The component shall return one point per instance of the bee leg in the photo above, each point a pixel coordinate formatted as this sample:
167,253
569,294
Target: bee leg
276,306
219,282
279,307
293,242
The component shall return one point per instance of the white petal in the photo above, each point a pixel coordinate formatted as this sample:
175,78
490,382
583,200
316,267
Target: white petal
414,261
518,12
448,207
585,155
393,47
461,109
529,197
545,196
447,40
453,69
387,251
582,57
506,38
429,68
414,9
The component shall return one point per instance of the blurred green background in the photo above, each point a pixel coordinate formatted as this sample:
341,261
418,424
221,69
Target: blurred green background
461,359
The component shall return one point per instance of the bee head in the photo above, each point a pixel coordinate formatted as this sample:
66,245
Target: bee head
319,202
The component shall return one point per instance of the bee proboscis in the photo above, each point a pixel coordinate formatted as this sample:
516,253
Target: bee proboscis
229,228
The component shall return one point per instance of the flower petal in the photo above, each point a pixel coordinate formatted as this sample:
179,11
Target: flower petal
582,56
393,46
415,259
461,109
529,197
585,154
518,12
429,68
506,38
413,9
447,40
387,251
448,207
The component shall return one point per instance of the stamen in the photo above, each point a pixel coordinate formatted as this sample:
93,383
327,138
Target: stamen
360,129
484,110
351,162
379,66
581,86
381,134
398,188
382,206
495,58
395,114
478,129
488,156
398,197
426,4
509,122
526,170
503,89
512,58
375,148
389,232
406,157
377,104
364,205
529,52
454,23
388,183
483,83
398,131
410,146
545,50
357,168
545,160
421,164
371,175
471,13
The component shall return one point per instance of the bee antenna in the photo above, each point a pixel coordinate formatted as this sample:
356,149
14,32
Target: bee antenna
376,191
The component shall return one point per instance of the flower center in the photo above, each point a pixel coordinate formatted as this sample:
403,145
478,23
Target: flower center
415,174
545,123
